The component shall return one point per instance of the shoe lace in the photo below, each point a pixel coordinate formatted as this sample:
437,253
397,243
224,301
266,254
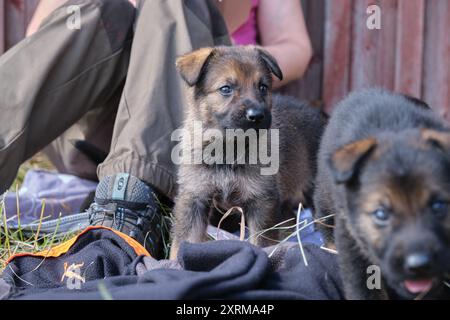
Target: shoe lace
135,219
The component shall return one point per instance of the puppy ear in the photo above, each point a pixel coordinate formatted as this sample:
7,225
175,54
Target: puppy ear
192,65
271,63
346,161
417,102
439,139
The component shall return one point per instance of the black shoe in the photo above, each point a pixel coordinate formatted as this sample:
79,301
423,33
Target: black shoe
125,203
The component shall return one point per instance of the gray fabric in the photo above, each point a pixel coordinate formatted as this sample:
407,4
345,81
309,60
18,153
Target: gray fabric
211,270
55,193
149,263
5,289
276,253
277,260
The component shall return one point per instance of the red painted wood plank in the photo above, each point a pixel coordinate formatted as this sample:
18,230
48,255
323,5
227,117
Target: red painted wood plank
364,48
2,26
310,86
436,80
337,53
410,27
386,44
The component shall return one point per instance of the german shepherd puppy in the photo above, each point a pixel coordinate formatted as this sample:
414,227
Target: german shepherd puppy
384,172
230,88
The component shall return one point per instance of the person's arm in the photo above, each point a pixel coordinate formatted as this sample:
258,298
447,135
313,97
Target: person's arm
283,33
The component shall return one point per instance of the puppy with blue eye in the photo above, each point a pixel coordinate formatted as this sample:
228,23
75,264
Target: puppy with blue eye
384,173
230,88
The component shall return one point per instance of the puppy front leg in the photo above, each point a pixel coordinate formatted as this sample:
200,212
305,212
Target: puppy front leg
190,221
260,216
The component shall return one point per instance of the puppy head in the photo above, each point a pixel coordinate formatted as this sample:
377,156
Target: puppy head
397,189
231,86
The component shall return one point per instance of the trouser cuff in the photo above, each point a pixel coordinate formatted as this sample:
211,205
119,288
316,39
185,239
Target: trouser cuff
151,173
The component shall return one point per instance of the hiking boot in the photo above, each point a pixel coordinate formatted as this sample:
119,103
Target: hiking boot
125,203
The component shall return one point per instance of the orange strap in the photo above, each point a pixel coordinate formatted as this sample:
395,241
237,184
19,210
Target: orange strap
62,248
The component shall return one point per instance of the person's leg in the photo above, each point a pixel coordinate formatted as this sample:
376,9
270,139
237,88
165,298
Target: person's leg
94,129
152,104
52,78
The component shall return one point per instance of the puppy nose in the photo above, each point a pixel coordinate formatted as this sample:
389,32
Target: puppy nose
418,263
254,115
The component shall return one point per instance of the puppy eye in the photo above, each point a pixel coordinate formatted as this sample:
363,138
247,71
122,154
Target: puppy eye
263,88
381,216
439,207
226,90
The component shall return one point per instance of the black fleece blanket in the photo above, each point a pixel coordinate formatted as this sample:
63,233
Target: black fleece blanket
228,269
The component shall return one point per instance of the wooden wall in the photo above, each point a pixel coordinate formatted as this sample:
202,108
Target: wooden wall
409,54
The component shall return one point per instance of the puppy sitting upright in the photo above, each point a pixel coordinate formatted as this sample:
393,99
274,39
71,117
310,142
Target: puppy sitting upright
384,171
230,89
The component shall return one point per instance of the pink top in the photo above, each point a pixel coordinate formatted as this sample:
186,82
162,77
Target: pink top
248,32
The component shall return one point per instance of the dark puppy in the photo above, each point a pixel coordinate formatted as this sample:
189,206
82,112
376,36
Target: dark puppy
230,88
384,171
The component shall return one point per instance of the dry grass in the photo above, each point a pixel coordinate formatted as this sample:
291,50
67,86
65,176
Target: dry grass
17,241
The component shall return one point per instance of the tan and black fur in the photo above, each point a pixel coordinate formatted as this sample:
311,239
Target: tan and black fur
384,172
248,70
